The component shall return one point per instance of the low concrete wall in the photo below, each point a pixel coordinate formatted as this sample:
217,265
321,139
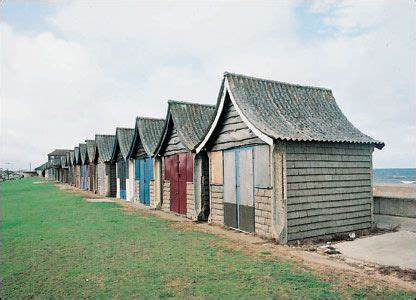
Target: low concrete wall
401,207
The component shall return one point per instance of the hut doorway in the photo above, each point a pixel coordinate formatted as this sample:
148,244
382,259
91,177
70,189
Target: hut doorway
121,174
239,189
179,170
144,174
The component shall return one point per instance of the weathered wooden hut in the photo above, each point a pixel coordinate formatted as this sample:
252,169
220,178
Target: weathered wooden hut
64,169
106,169
286,163
121,148
54,159
77,167
84,166
92,170
183,175
147,134
71,160
68,163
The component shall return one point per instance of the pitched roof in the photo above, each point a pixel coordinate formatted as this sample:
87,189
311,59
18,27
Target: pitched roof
149,132
105,144
72,157
83,153
68,158
124,139
42,167
91,149
77,156
191,121
59,152
63,161
283,111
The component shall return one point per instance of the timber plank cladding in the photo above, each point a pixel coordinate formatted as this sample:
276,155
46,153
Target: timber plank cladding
105,167
147,134
285,163
121,148
184,179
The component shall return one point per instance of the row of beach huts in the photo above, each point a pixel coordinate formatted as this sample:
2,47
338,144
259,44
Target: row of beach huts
276,159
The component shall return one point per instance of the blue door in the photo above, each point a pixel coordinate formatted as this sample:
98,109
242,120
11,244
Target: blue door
145,175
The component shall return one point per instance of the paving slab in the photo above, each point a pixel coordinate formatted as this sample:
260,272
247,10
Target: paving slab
390,249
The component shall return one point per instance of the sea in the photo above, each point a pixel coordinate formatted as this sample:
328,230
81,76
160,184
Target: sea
395,175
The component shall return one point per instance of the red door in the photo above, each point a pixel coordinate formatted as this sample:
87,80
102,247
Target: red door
179,170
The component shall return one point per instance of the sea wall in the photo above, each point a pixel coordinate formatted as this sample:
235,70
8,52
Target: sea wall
395,200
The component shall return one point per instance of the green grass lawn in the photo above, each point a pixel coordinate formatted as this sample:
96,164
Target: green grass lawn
56,244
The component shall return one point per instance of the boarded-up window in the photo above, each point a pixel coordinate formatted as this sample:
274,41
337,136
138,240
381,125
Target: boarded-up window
216,167
262,166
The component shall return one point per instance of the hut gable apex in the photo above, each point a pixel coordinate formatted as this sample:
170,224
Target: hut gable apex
83,153
189,120
147,134
77,156
276,110
105,143
91,150
122,142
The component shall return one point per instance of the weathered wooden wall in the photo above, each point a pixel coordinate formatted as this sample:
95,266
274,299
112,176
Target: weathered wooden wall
232,131
173,144
328,188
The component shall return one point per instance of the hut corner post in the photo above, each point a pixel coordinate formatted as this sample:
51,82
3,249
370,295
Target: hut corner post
279,198
158,180
373,224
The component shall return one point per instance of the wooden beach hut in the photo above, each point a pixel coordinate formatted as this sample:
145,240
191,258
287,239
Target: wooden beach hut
286,163
84,166
106,169
147,134
54,160
92,170
64,169
71,159
121,148
77,167
183,175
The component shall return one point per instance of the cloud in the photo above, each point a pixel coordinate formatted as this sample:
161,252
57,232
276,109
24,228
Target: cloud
102,63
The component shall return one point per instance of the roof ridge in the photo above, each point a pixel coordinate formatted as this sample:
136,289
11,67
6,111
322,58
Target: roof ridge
188,103
150,118
279,82
104,135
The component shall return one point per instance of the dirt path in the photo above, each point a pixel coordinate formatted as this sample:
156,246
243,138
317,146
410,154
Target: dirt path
349,272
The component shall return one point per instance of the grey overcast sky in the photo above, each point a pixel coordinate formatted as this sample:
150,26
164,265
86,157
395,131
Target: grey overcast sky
71,69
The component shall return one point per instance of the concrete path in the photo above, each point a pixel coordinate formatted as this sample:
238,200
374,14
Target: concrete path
389,249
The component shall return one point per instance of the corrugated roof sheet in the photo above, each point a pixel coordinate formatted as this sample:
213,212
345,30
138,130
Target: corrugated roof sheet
83,153
63,161
149,131
124,138
77,156
68,158
91,149
59,152
105,144
191,121
293,112
42,167
72,157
